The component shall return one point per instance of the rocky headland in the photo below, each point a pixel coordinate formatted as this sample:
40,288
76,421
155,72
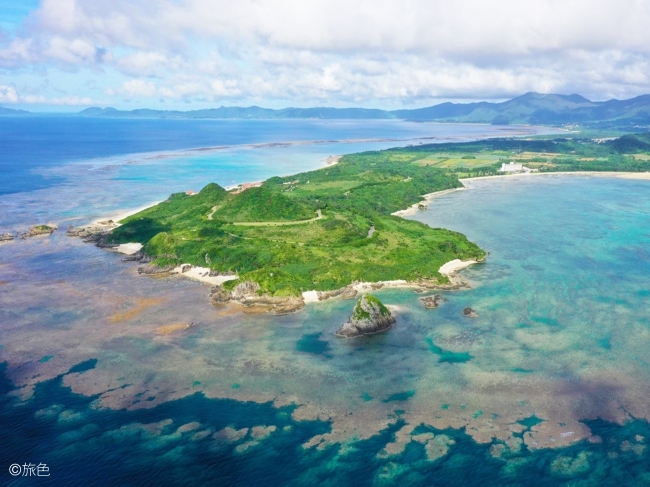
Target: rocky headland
368,317
247,294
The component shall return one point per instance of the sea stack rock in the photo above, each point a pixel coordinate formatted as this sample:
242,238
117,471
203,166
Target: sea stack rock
369,316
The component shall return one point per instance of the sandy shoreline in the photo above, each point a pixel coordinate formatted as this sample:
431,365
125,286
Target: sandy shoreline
427,198
450,268
600,174
102,222
202,274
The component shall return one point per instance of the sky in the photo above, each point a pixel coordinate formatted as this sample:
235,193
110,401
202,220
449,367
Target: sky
65,55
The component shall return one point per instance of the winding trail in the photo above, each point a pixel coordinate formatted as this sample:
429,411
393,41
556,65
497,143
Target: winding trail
270,224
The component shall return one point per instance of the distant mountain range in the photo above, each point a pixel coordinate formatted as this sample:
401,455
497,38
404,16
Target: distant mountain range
531,108
11,111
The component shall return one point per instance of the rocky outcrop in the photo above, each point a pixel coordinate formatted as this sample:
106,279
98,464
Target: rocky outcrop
454,284
469,313
432,302
139,256
38,230
247,294
91,234
369,316
151,269
220,273
347,292
6,237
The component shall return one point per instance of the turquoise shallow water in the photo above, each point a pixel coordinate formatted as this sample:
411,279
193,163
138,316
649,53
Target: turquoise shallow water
547,386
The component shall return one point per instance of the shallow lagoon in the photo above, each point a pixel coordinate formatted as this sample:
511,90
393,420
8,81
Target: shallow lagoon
558,356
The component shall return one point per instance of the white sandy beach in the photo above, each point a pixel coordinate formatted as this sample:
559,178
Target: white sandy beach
427,198
101,222
600,174
202,274
450,268
331,160
128,248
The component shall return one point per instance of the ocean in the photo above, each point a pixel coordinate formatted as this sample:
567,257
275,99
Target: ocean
548,385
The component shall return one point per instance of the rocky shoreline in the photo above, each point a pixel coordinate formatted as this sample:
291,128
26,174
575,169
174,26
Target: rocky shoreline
247,294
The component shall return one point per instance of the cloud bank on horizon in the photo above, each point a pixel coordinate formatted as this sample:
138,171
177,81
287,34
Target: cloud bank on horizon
383,53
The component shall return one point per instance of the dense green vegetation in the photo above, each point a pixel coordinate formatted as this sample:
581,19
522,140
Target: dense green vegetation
356,195
361,314
628,153
239,232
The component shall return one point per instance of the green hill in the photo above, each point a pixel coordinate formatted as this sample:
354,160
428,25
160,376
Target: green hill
356,239
263,205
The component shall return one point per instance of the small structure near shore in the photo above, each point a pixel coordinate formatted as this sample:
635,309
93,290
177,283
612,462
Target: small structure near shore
243,187
513,168
368,317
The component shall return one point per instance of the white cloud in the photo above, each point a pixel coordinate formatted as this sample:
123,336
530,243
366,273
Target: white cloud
139,88
395,51
9,95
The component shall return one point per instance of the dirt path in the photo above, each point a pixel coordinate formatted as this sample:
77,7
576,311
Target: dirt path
274,224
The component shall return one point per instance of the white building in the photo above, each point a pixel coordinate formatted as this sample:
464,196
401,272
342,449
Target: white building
512,168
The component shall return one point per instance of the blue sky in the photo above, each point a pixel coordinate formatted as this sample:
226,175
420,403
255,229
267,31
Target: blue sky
189,54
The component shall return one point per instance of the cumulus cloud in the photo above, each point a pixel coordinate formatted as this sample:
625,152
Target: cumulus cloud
9,95
336,51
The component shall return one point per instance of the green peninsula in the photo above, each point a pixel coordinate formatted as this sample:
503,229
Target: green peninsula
320,230
327,229
323,230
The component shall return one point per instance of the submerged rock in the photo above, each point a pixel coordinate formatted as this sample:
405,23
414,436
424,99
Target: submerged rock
369,316
432,302
470,313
